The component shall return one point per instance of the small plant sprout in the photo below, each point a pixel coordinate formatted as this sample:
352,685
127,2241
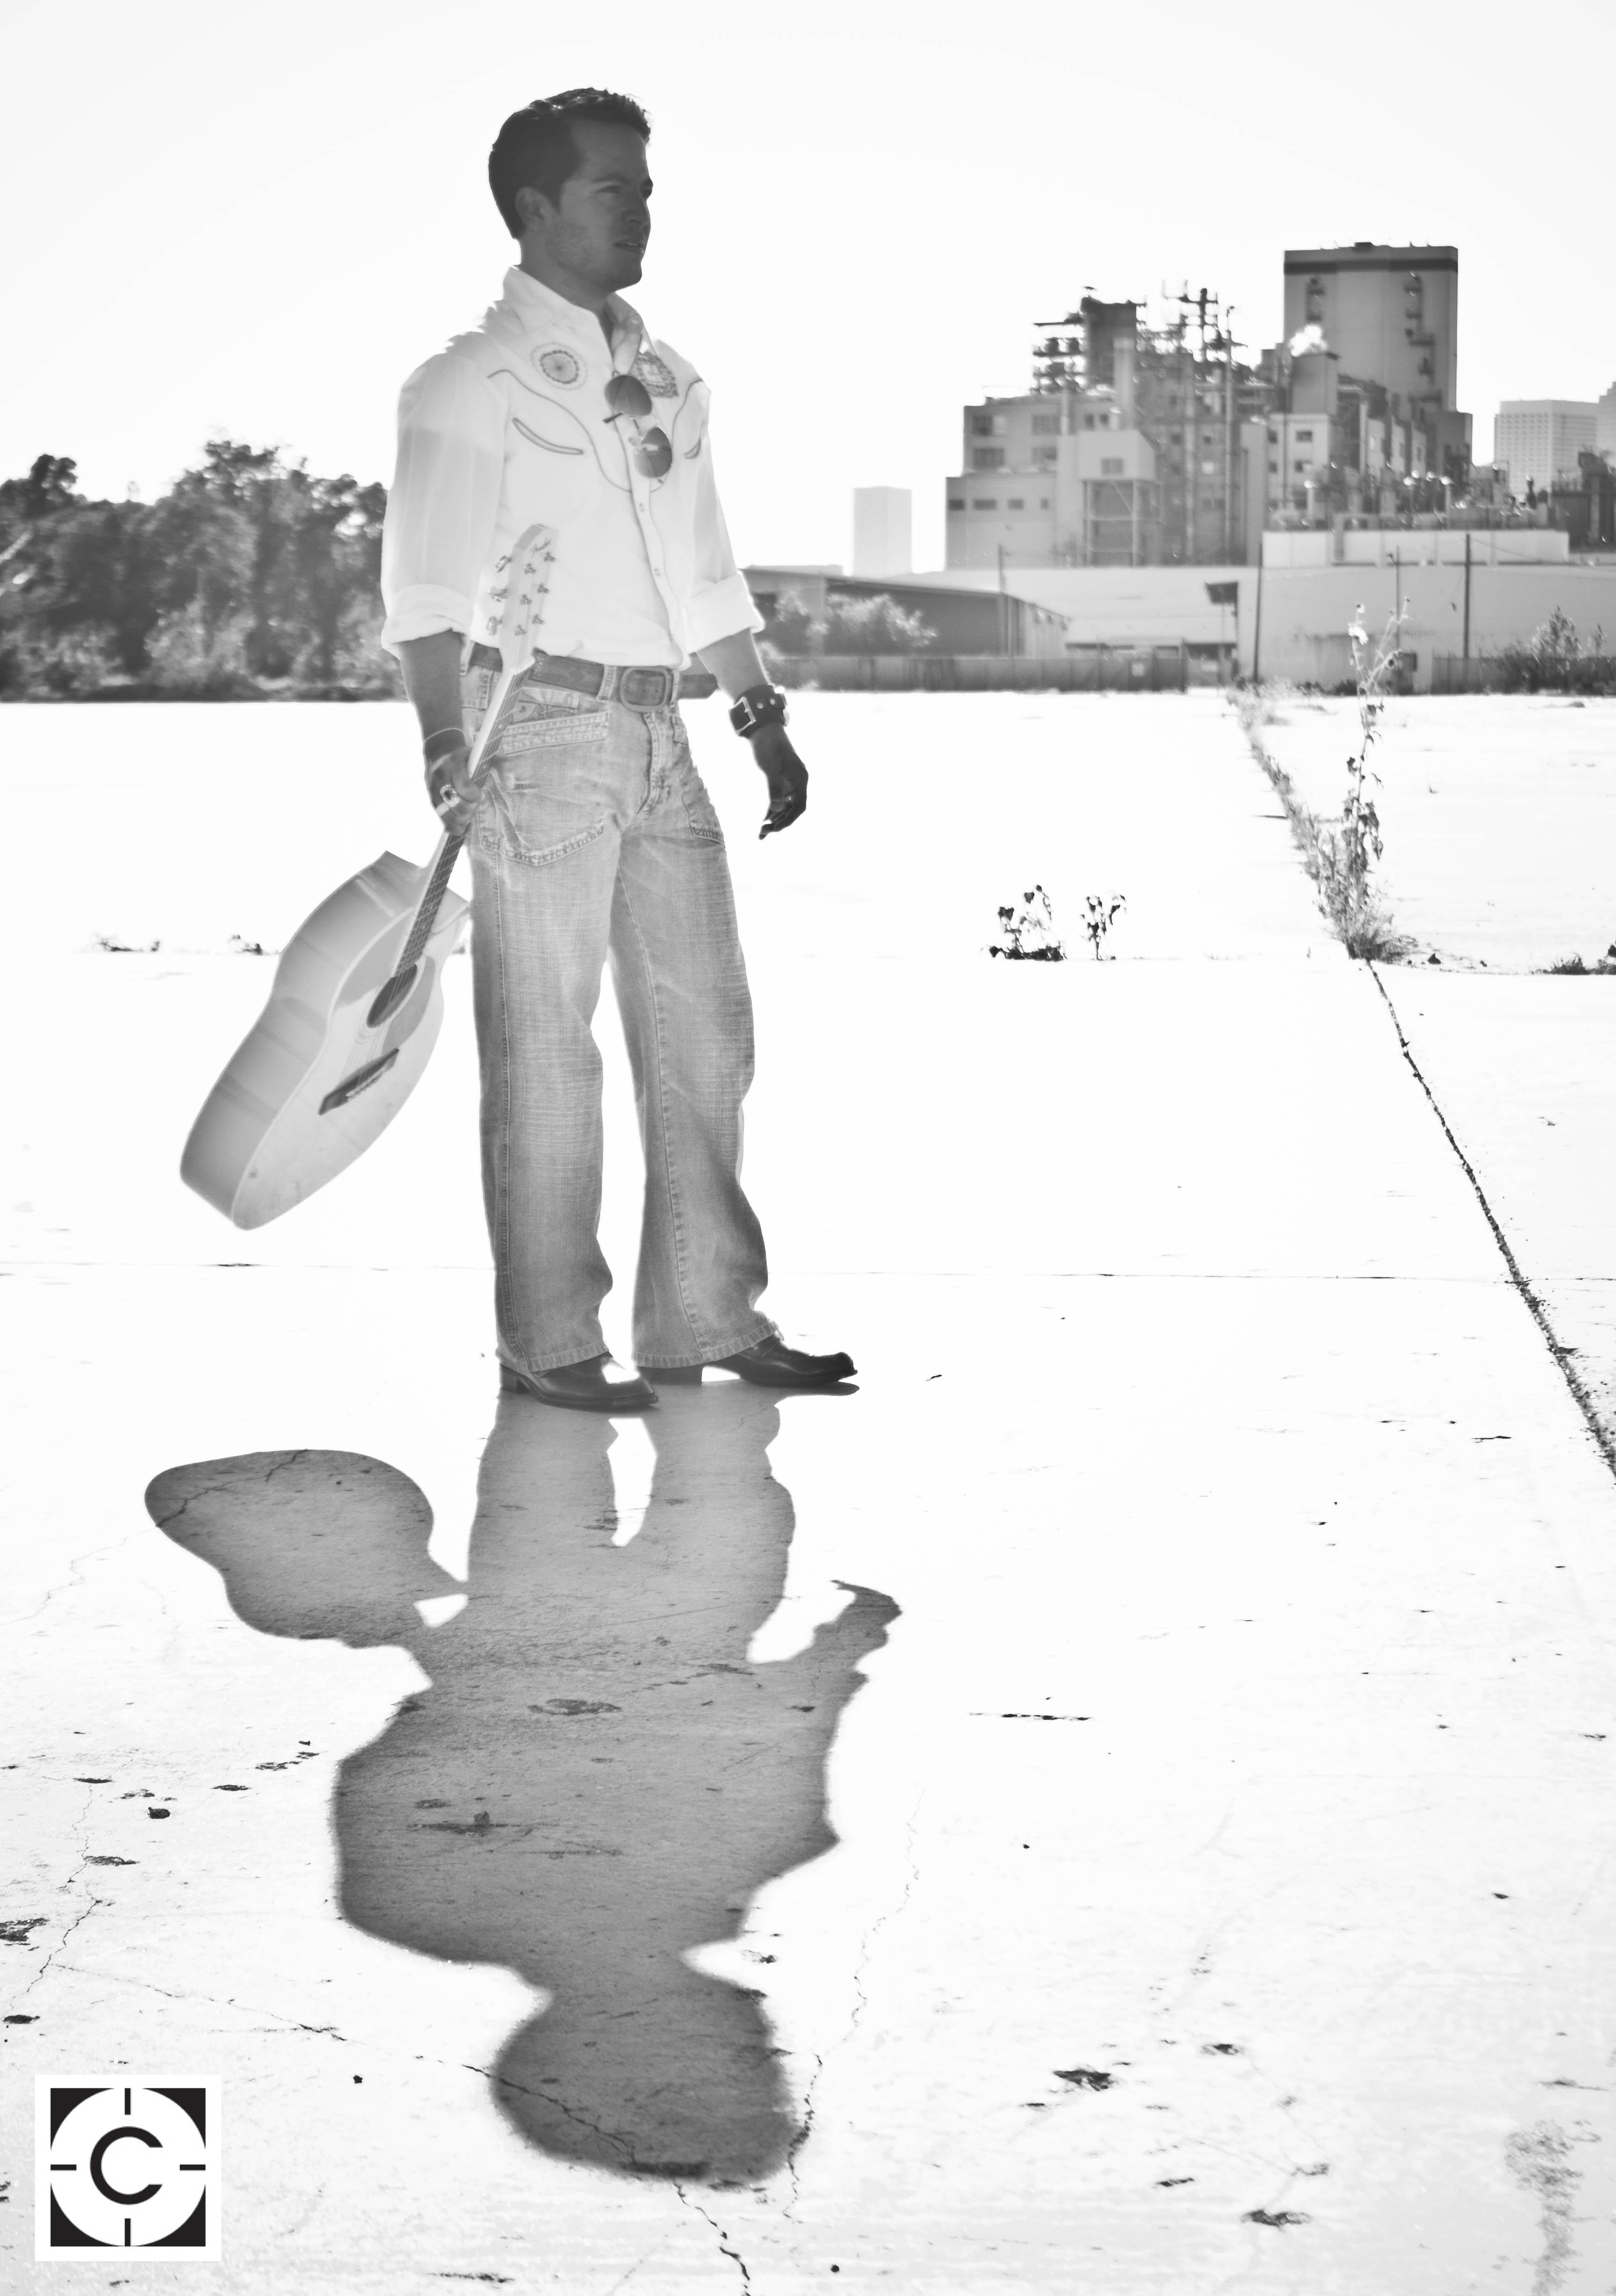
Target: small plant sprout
1100,909
1029,931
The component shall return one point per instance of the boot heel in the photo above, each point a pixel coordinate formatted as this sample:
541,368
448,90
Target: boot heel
672,1375
511,1382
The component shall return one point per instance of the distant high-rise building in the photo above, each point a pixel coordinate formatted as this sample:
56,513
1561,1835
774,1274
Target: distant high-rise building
1604,440
883,531
1540,438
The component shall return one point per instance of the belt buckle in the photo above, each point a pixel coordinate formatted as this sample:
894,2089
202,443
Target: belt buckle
632,685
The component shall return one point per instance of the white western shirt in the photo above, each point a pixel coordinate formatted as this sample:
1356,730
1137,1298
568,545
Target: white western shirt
509,428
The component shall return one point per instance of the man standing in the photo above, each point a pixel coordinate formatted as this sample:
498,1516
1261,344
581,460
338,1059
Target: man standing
590,832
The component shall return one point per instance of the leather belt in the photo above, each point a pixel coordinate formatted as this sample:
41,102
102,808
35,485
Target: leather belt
653,686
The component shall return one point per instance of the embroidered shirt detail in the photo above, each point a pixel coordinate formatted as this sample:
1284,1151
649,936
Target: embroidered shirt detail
559,366
516,423
655,373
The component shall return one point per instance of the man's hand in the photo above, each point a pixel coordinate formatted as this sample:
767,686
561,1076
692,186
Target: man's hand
785,775
432,680
451,791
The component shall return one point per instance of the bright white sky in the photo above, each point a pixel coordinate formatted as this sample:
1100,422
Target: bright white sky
256,215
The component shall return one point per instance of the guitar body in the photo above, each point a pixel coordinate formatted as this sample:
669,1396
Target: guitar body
358,997
323,1072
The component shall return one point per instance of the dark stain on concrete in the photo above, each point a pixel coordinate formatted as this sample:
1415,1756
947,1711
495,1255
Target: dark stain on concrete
1539,2158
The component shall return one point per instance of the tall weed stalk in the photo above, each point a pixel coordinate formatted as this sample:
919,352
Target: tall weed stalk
1340,854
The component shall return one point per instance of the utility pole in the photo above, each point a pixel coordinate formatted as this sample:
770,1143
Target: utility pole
1257,620
1004,607
1229,436
1467,593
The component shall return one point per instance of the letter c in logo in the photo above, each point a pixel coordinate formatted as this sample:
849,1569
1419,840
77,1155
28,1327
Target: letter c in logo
111,2192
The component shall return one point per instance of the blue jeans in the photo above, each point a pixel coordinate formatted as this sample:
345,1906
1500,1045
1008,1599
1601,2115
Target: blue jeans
595,837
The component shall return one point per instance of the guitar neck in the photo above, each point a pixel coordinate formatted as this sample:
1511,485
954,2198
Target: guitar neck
442,865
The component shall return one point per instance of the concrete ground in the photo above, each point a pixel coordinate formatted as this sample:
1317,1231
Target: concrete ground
1122,1802
1498,812
1499,826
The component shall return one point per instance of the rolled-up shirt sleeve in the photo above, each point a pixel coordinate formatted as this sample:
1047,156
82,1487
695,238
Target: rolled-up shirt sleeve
445,500
718,603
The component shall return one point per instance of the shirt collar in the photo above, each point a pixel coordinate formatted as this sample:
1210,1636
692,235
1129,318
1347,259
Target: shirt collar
540,309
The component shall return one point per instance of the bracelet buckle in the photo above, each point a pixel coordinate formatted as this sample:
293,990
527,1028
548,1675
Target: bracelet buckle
760,705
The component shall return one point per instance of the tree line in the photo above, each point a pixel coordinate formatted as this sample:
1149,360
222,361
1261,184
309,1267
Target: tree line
249,577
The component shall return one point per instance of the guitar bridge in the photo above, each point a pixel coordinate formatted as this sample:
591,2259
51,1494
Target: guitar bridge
360,1081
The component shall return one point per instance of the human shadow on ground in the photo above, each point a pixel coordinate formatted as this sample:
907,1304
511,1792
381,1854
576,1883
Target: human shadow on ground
597,1779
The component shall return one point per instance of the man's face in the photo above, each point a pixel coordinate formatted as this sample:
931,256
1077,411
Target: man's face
599,229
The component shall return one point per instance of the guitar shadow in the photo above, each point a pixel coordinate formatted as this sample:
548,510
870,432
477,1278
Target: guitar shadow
597,1780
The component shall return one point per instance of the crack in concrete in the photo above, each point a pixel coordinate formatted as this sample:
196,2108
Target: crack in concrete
74,1581
39,1975
1559,1355
579,2120
722,2236
861,2003
628,2274
72,1881
802,2135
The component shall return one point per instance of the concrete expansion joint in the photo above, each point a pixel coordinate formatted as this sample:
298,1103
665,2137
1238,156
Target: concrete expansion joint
1559,1355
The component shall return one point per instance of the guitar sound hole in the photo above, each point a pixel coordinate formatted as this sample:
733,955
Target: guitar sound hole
390,996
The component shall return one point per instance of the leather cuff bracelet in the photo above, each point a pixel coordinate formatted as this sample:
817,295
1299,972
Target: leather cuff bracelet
759,705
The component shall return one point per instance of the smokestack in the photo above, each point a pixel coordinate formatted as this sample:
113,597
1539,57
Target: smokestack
1122,377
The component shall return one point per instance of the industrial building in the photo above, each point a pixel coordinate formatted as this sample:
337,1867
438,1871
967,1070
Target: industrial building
1143,445
1391,315
1133,448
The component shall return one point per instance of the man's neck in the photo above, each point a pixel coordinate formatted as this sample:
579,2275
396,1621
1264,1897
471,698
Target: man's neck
570,289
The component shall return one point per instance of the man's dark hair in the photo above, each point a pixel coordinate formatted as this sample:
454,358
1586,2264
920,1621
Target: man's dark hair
537,145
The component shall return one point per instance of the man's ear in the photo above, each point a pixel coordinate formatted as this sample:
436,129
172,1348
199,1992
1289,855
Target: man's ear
533,210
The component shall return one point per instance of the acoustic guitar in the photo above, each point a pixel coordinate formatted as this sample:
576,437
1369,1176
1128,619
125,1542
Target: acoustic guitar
357,1000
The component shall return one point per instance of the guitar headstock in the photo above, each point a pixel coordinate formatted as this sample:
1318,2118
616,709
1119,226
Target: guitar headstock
526,570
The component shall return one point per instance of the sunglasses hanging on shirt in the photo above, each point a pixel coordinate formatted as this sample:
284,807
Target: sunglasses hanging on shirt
651,449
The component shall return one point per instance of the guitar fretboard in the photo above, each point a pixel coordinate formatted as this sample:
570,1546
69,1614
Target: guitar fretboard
522,601
448,851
